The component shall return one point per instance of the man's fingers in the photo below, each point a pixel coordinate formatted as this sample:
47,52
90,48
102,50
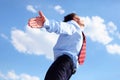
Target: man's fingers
33,25
37,21
41,14
31,21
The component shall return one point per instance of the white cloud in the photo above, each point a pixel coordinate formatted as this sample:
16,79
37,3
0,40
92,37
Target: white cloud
111,27
96,30
11,75
34,41
113,48
59,9
103,33
31,9
4,36
2,76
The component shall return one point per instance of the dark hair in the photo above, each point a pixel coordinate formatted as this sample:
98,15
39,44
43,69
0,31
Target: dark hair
69,17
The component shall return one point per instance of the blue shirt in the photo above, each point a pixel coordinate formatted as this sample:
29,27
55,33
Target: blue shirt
70,38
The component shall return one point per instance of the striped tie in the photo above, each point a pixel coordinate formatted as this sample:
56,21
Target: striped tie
82,54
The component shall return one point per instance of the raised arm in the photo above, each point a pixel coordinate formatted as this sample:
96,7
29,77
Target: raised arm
38,21
52,26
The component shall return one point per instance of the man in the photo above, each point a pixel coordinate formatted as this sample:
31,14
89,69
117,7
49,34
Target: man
67,47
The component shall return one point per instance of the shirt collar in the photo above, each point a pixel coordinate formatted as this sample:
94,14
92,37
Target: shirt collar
77,26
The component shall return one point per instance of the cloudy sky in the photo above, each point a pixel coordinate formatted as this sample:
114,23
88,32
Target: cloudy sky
26,54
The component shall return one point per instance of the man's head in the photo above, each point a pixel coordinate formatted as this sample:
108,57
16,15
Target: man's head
74,17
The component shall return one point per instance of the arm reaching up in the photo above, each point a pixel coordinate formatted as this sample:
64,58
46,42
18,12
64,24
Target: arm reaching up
38,21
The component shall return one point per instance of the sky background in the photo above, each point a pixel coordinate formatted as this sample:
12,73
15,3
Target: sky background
26,54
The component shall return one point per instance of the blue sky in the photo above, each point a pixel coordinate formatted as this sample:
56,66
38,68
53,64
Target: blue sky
26,54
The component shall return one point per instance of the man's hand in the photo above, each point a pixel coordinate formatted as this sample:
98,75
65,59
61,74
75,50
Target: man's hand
38,21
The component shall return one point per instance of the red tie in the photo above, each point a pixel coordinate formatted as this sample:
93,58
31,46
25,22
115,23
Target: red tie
82,54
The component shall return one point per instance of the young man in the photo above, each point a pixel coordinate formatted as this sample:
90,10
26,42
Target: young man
67,47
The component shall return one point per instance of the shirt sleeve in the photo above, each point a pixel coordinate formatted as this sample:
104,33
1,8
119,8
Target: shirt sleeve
59,27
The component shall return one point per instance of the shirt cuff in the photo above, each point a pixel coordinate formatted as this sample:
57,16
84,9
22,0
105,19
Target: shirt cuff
46,24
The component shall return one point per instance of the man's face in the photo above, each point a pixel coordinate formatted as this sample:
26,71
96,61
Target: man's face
77,19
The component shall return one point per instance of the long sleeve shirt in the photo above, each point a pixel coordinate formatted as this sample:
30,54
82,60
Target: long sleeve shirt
70,38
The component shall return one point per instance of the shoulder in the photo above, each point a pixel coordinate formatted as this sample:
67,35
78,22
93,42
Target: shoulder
74,23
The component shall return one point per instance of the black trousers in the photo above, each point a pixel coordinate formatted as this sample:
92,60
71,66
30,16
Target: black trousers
61,69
